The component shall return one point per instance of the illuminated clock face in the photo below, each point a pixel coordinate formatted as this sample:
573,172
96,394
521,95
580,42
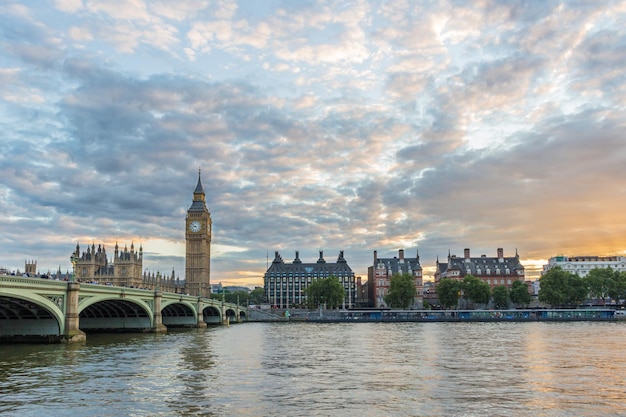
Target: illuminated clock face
194,226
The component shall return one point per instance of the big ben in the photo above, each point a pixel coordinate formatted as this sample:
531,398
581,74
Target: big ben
198,237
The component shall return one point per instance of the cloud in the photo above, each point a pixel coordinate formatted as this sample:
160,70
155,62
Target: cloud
317,126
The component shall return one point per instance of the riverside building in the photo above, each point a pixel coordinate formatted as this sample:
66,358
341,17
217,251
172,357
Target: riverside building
125,268
498,270
581,265
286,283
380,273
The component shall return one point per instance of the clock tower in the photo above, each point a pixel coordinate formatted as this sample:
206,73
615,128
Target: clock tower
198,227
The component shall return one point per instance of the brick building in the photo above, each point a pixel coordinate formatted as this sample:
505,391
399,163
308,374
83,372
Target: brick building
498,270
380,273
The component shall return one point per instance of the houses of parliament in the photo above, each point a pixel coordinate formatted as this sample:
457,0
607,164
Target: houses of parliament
125,268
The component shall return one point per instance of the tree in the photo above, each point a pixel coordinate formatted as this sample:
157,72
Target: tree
617,289
519,293
599,282
578,291
448,292
401,291
500,295
561,288
476,289
257,296
328,291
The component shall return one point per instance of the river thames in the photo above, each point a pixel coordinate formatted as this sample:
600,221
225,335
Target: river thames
341,369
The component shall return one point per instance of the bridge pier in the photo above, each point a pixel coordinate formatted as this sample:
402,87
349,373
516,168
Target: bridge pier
200,319
72,333
157,317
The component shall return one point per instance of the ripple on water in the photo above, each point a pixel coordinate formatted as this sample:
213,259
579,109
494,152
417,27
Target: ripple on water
306,369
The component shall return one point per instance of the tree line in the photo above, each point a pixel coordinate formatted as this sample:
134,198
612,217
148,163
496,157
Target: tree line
472,291
558,288
562,288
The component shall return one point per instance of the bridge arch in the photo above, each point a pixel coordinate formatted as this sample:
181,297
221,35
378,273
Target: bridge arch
231,315
30,315
179,314
211,314
109,313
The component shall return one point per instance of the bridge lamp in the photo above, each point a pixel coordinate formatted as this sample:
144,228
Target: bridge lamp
73,259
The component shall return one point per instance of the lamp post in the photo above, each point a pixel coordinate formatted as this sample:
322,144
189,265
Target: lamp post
73,259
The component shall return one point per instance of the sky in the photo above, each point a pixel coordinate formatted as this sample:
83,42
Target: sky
359,126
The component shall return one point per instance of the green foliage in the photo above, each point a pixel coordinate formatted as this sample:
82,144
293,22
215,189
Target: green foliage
562,288
401,291
500,294
476,289
448,292
599,282
617,288
240,297
519,293
257,296
328,291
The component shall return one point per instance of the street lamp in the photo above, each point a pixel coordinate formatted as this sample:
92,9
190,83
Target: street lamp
74,260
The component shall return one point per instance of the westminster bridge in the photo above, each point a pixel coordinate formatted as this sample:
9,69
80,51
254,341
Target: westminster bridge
43,309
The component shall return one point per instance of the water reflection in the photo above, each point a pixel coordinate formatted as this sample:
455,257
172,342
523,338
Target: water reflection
346,369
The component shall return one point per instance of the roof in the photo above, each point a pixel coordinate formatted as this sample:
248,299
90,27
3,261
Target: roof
400,266
299,268
472,265
199,189
198,203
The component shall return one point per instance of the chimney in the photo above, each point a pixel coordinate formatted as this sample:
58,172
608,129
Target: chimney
500,253
401,254
467,253
375,257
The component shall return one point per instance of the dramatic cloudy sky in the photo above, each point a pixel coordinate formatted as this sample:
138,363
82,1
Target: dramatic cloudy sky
318,125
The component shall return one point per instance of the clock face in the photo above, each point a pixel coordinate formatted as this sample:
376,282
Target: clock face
194,226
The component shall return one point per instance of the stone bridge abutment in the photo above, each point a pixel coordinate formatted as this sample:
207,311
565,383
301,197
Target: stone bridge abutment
34,309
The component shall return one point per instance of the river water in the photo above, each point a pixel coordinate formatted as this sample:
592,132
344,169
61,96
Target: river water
340,369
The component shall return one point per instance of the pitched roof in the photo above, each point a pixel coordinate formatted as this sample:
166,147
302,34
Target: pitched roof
299,268
479,266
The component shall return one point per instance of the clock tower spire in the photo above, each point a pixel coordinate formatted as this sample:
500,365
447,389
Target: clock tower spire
198,248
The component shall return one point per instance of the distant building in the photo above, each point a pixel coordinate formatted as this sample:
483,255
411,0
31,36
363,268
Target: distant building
30,268
198,233
430,293
124,269
285,284
498,270
236,288
380,273
581,265
361,299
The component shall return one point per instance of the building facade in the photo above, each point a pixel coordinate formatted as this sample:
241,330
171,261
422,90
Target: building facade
498,270
125,269
286,283
198,231
30,268
581,265
380,273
